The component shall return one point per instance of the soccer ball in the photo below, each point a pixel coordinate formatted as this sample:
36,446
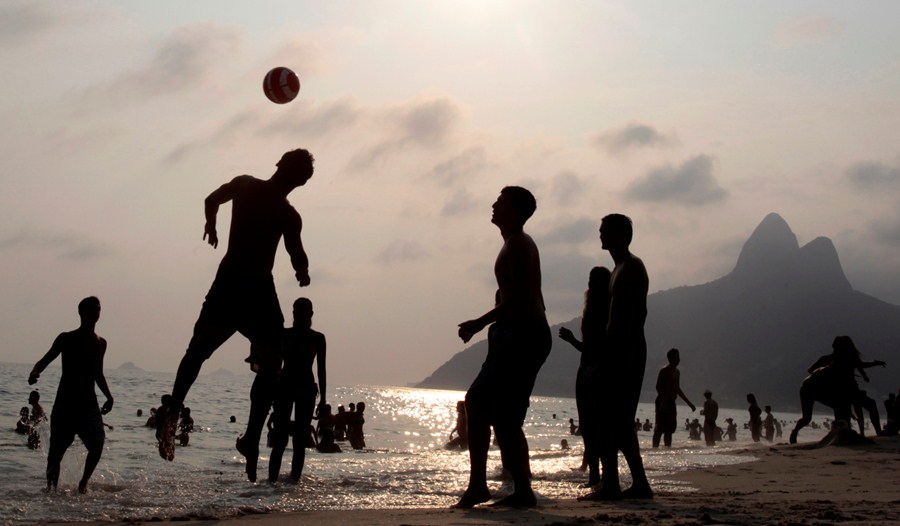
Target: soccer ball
281,85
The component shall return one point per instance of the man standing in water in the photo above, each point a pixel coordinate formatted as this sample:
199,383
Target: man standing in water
518,344
622,368
668,389
75,410
242,297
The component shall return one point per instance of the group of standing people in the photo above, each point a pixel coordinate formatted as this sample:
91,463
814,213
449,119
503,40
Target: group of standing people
614,355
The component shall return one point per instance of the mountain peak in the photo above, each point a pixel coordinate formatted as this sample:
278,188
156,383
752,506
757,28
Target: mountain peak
772,244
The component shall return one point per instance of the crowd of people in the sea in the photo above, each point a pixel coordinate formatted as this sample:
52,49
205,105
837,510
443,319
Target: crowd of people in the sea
288,393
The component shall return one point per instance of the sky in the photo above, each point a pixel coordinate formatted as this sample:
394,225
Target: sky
695,118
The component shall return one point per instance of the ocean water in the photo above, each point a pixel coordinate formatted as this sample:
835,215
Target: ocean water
405,466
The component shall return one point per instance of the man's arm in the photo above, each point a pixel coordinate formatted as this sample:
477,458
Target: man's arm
320,365
101,380
42,364
220,196
293,243
677,377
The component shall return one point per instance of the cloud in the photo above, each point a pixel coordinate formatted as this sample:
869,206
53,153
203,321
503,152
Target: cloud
225,134
573,231
692,183
455,169
461,203
632,136
800,30
427,124
566,187
870,175
315,120
20,21
182,61
70,247
401,251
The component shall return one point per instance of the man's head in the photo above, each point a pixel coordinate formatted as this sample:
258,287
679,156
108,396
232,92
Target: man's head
514,207
89,309
707,393
615,231
295,168
673,356
303,312
34,397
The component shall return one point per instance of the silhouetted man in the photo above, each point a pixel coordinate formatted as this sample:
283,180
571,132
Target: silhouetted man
297,388
710,413
624,363
242,297
518,344
75,410
668,389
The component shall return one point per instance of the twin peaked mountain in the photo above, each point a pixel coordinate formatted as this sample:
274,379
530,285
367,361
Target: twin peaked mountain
755,330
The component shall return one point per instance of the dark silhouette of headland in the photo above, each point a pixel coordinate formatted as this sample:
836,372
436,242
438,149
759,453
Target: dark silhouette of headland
756,329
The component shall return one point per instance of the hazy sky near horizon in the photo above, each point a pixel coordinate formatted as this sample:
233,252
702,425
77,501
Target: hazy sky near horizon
696,119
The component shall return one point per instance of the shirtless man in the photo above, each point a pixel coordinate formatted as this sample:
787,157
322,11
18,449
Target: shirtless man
668,389
75,410
518,343
297,389
622,367
242,297
710,413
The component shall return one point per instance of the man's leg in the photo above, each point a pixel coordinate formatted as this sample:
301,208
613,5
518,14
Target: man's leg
61,438
303,413
281,420
479,433
93,437
208,337
511,438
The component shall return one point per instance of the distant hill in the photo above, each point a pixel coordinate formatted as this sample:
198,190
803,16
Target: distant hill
756,329
128,366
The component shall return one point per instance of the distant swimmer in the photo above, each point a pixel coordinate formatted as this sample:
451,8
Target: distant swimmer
23,426
731,430
355,434
668,389
519,342
459,435
242,297
76,410
297,390
326,443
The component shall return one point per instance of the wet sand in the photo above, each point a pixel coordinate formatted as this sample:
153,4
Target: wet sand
805,484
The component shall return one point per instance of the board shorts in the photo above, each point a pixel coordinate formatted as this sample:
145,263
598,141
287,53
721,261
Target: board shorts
666,416
66,424
516,352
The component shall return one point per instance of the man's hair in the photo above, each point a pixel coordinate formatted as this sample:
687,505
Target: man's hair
673,352
87,302
298,159
621,225
522,201
304,302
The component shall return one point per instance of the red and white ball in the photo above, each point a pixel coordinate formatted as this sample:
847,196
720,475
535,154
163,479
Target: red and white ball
281,85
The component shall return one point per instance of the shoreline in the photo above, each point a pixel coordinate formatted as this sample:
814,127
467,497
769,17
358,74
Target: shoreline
785,484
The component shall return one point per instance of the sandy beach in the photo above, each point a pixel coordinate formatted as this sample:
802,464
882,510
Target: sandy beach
804,484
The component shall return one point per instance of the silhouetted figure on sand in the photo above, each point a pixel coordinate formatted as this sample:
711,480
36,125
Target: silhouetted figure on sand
622,363
594,318
242,297
75,410
832,382
892,419
519,341
668,389
755,418
297,389
710,413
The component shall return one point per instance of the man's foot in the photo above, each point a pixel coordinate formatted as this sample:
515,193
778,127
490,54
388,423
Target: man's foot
519,499
638,492
251,454
82,487
603,493
472,497
295,476
166,425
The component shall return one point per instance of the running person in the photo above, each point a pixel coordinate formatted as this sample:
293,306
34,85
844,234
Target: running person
75,410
